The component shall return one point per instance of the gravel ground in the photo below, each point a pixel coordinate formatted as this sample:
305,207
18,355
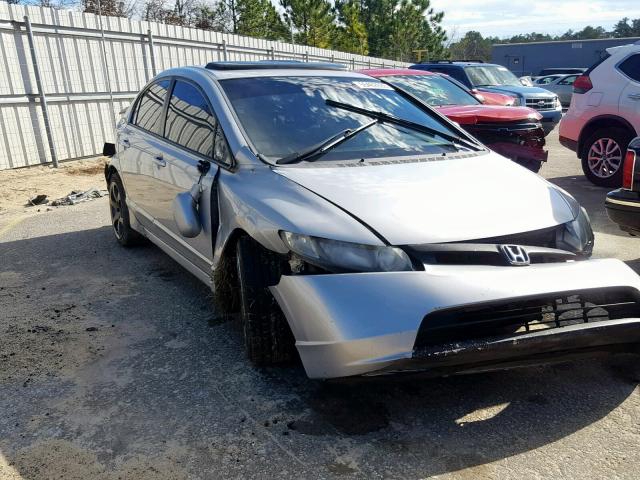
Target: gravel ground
113,365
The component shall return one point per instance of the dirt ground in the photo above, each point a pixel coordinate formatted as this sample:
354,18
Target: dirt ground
22,184
114,365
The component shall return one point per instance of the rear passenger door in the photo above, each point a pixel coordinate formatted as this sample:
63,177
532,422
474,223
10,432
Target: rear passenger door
630,97
192,134
139,146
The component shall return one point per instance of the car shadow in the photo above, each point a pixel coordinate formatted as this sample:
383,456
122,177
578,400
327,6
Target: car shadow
170,375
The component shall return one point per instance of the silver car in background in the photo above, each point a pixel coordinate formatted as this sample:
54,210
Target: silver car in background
356,227
561,85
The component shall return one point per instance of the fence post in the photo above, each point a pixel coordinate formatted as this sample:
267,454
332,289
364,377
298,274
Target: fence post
273,53
152,54
306,56
224,50
353,63
43,98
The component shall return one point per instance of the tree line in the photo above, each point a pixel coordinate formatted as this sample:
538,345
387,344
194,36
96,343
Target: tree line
401,30
474,46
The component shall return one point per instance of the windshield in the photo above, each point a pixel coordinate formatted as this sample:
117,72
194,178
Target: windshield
433,89
285,115
491,76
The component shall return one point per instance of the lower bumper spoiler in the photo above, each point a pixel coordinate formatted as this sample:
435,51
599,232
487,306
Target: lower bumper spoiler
534,348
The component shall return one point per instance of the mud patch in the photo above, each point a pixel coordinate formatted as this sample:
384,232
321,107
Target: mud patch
62,459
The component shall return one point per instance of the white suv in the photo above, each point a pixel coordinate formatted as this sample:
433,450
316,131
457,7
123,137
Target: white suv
605,114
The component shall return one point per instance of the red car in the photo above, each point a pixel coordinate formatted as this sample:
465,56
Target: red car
514,132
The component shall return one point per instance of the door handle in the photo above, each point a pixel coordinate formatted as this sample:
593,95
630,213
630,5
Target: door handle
160,161
634,96
125,142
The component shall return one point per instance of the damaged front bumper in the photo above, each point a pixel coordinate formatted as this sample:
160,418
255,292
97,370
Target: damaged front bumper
452,318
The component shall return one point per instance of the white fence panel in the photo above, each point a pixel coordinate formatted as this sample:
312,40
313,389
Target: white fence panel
91,68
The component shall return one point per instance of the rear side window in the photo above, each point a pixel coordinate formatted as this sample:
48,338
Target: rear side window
190,121
148,113
631,67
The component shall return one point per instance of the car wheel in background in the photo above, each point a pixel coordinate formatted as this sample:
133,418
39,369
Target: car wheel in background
603,156
122,230
267,337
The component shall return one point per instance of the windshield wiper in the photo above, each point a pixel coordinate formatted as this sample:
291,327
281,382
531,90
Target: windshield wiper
385,117
318,149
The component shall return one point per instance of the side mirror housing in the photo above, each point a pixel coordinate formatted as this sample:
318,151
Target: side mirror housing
185,212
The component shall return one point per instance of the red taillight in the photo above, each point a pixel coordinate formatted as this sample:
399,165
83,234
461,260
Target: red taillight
627,170
582,84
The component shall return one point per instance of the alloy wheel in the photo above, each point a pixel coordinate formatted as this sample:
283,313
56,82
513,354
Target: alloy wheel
115,204
604,158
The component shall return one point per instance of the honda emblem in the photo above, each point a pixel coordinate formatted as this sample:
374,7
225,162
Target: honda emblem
515,255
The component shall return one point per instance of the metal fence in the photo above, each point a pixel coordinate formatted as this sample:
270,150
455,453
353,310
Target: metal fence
65,75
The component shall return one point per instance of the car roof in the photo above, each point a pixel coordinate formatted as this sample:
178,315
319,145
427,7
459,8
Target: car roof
264,69
464,63
379,72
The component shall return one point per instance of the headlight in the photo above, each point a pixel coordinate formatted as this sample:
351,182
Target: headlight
557,103
339,256
517,101
577,235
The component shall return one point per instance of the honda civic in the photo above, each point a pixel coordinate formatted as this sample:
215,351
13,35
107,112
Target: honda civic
358,230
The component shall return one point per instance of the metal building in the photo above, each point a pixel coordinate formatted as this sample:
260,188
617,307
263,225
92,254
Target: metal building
530,58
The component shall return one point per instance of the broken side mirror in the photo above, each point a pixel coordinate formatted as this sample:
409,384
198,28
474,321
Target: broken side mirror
186,213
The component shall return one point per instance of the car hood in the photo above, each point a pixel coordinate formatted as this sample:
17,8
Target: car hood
522,91
448,200
473,114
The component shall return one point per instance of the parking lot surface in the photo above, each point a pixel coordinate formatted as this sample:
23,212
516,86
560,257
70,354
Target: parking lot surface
113,364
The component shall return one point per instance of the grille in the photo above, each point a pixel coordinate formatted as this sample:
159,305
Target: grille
540,103
494,319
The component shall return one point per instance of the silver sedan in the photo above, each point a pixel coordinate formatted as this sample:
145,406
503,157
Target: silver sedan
561,85
355,227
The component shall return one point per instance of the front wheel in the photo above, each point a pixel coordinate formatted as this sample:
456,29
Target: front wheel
267,337
603,156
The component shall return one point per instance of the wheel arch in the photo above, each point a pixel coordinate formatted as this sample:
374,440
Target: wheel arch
602,122
225,278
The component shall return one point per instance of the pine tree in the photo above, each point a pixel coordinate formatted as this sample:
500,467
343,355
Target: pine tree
259,18
314,21
352,32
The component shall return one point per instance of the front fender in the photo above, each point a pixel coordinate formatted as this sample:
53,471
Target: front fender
261,203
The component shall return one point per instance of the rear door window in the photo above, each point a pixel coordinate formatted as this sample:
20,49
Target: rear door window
631,67
190,120
148,114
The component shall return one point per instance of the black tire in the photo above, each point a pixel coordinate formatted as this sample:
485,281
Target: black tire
267,337
122,230
612,144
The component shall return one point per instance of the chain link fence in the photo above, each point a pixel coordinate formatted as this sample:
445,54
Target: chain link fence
65,75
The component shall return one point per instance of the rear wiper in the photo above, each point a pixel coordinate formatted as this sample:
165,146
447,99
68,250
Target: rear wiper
320,148
385,117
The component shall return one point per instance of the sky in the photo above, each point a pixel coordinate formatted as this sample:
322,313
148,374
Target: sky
504,18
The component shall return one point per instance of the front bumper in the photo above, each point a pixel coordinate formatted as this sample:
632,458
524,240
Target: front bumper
623,208
367,323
